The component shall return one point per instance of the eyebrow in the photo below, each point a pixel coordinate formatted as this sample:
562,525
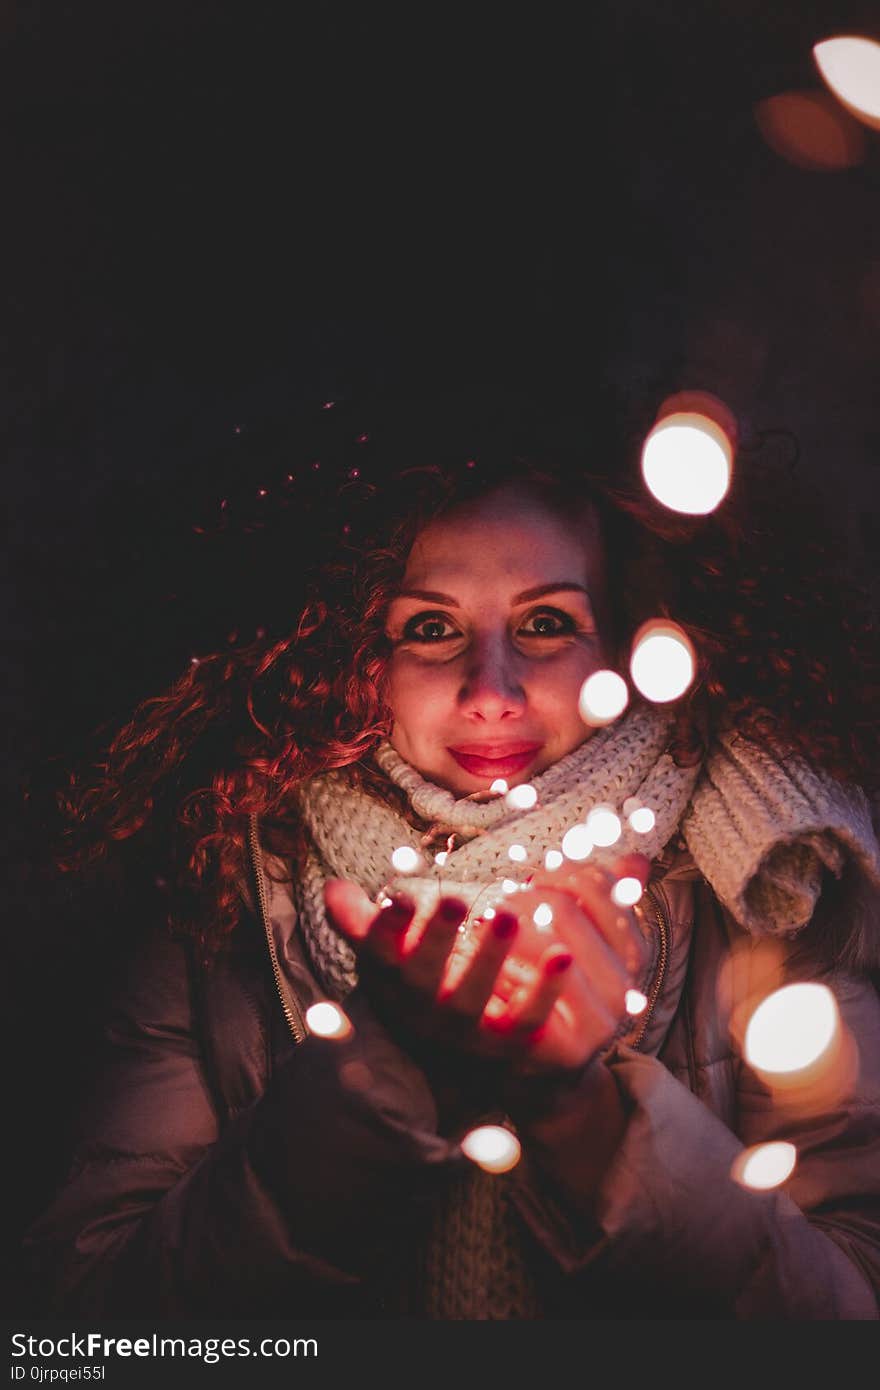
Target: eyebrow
539,591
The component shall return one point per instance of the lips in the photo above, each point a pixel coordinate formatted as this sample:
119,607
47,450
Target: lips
494,759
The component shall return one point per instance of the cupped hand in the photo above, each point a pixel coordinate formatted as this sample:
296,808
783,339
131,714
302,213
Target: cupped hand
540,1000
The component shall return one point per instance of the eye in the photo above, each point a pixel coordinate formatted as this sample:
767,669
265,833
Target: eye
427,627
549,622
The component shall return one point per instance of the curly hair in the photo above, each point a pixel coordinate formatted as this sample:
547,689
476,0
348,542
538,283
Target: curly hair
786,647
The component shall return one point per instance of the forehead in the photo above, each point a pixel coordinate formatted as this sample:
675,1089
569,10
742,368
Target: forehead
511,535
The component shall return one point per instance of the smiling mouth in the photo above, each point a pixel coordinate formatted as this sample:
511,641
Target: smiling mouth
500,764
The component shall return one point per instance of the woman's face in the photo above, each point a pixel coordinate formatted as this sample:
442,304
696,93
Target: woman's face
493,633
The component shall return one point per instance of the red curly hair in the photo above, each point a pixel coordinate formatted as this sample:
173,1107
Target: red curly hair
786,648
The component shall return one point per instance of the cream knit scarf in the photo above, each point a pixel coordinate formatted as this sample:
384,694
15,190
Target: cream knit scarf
761,829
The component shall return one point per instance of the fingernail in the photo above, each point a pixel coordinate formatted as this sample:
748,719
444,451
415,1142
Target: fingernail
557,964
453,910
399,911
504,925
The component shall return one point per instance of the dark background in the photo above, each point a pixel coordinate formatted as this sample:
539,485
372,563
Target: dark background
218,216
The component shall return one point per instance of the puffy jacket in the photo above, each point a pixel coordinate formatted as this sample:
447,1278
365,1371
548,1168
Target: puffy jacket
231,1164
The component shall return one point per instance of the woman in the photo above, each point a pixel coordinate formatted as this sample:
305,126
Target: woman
233,1162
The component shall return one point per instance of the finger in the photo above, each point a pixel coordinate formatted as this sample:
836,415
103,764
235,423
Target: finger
423,964
378,932
590,888
469,990
530,1007
605,968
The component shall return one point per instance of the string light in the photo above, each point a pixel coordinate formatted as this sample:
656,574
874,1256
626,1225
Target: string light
327,1020
518,853
850,67
492,1148
764,1166
499,785
642,820
686,463
441,857
635,1002
510,886
542,915
603,696
576,843
603,826
791,1028
405,859
553,859
626,892
663,663
521,798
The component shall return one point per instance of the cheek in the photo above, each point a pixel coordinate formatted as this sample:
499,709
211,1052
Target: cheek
415,689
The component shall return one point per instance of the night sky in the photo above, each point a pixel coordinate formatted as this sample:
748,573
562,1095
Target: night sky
218,216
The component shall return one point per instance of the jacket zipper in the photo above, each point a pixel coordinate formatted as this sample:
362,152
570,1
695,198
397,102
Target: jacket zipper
289,1004
658,899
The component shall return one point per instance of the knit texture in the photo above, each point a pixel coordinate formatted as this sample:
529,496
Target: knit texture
760,828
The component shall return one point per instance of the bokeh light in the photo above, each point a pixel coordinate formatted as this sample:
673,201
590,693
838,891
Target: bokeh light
521,798
603,826
499,786
642,820
663,662
327,1020
764,1166
686,463
577,843
602,698
441,857
554,859
811,130
542,915
791,1028
405,859
635,1002
518,853
626,892
492,1147
850,66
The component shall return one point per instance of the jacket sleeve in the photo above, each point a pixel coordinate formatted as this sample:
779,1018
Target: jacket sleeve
665,1215
300,1194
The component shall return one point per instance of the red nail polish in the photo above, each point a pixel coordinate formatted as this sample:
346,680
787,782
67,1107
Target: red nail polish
557,964
504,924
453,910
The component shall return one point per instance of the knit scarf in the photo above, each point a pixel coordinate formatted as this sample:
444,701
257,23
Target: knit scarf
762,829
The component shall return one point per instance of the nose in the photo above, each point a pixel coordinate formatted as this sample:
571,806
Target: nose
491,689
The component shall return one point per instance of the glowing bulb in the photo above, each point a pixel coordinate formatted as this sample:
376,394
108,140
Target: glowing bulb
405,859
603,697
542,915
686,463
492,1147
499,785
626,891
642,820
509,886
489,913
576,843
662,663
850,66
553,859
385,901
791,1028
764,1165
327,1020
603,826
635,1002
521,798
441,857
518,853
